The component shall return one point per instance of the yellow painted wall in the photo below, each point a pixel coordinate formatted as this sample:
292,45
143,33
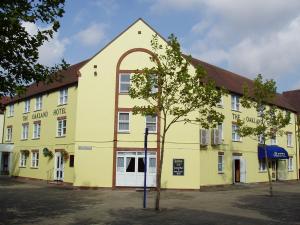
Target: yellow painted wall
90,128
48,135
95,125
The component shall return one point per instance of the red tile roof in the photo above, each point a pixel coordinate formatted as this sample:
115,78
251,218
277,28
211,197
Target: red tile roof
223,78
67,77
235,83
294,98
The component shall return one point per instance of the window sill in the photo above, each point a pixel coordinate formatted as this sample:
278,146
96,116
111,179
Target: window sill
9,116
24,113
236,141
290,170
37,110
25,139
35,138
263,171
62,104
123,93
22,166
234,110
290,146
33,167
220,106
61,136
123,132
221,173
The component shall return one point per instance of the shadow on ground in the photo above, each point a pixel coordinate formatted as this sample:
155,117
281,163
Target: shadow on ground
283,206
28,205
176,216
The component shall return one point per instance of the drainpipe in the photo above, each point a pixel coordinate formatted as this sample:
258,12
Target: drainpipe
297,135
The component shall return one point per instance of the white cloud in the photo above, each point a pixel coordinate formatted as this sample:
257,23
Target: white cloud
245,36
52,51
107,6
92,35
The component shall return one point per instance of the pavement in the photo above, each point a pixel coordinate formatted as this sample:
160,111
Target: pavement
30,202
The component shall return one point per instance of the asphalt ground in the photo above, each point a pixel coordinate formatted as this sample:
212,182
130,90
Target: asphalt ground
30,202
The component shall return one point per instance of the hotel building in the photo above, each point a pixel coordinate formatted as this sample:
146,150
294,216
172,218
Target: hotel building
81,130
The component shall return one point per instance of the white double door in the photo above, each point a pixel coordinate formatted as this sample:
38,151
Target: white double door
59,166
130,169
239,169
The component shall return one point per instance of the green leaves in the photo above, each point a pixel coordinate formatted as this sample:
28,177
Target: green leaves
19,54
272,119
179,88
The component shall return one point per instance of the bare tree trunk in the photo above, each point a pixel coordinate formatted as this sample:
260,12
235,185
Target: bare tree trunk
268,169
158,186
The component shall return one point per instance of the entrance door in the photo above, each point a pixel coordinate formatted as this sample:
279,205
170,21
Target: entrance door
5,163
273,170
281,169
130,169
237,177
239,169
242,170
59,167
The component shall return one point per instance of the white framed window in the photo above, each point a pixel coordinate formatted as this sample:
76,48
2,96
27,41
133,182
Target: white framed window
260,110
154,87
27,106
38,103
120,164
262,165
221,102
11,110
289,139
260,139
235,135
124,83
221,162
35,159
123,122
25,129
235,102
273,140
221,130
290,164
36,130
151,124
9,130
287,113
23,159
63,96
61,127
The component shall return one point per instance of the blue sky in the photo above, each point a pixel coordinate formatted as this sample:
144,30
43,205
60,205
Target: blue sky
246,36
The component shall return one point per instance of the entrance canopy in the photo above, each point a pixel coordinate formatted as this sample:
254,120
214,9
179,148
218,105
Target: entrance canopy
273,152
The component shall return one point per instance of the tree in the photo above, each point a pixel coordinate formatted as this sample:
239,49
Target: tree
171,91
19,54
272,120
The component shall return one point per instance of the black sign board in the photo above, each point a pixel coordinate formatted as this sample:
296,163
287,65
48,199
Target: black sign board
178,167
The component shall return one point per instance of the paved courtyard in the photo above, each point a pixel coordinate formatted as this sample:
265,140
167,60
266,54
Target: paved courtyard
28,202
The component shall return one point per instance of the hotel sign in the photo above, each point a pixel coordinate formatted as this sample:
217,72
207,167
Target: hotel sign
247,119
41,115
178,167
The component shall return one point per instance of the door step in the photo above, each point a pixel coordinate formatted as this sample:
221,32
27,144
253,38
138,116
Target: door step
142,189
56,182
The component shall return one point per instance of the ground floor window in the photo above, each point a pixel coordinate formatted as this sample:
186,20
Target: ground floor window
290,164
23,159
130,168
221,162
262,165
34,159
